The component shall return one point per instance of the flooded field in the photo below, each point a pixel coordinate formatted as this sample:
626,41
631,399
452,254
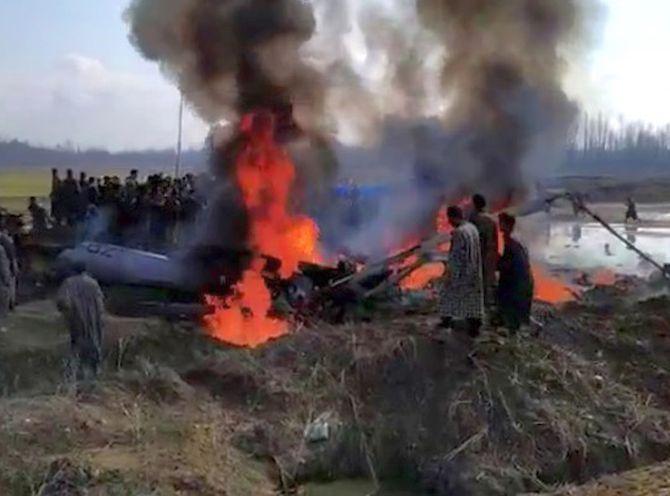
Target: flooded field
563,241
587,246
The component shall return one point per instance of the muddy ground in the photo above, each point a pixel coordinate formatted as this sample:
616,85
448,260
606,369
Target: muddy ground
387,400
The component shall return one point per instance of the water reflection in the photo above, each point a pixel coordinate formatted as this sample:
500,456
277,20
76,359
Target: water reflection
608,250
589,246
630,234
576,233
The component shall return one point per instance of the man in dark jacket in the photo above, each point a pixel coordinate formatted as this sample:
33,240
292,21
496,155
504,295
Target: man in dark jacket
631,210
488,239
39,216
56,196
515,284
70,197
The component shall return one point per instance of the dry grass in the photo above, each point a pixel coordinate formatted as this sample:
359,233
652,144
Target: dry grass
124,442
502,415
522,414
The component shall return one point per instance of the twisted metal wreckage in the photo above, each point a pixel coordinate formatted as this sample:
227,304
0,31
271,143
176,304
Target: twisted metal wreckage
184,276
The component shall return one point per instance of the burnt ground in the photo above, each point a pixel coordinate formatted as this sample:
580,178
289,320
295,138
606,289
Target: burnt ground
176,413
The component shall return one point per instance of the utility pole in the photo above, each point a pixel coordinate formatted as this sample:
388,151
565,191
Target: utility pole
177,164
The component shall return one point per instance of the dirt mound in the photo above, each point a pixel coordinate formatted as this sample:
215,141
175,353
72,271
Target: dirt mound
114,441
177,413
519,415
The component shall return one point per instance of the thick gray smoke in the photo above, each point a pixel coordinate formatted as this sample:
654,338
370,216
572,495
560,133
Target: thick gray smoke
441,97
230,56
501,118
504,73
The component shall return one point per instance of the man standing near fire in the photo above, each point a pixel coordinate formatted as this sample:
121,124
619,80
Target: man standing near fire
488,240
462,295
515,286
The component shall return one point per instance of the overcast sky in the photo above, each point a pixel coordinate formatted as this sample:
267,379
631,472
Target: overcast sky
68,73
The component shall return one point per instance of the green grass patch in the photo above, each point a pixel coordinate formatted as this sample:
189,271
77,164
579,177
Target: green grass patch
17,185
24,183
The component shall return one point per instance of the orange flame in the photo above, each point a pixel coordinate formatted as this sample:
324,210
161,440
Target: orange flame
426,274
242,319
604,277
265,175
547,288
550,289
423,276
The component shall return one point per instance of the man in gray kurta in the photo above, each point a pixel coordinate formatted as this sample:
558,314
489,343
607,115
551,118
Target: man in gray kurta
463,292
81,302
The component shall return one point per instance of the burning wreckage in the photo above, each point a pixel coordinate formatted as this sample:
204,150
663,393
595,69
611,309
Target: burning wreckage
250,292
260,299
270,70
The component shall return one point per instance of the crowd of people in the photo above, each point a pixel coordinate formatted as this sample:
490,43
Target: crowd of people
131,212
148,214
480,282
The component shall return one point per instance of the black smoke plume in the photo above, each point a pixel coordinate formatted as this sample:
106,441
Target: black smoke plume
230,56
453,97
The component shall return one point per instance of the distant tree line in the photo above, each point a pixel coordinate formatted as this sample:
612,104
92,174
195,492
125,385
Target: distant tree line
20,154
598,145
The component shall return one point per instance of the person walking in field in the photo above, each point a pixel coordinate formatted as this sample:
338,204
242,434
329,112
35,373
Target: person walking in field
631,210
81,302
